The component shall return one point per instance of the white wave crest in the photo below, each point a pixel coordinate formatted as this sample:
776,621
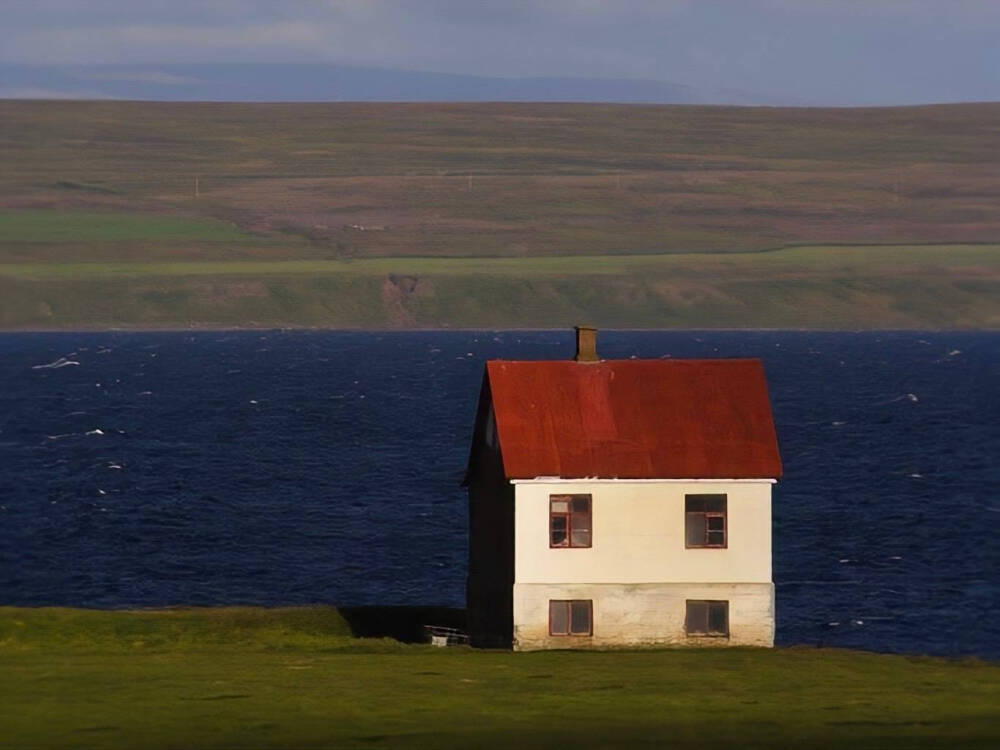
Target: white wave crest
61,362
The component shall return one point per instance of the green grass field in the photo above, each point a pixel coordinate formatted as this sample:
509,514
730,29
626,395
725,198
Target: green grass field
160,214
797,261
298,678
914,286
48,226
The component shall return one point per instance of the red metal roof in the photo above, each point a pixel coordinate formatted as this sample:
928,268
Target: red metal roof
635,419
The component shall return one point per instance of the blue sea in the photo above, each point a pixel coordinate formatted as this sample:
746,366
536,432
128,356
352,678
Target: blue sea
293,467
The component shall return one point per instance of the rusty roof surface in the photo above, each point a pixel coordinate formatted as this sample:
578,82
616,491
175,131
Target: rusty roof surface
635,419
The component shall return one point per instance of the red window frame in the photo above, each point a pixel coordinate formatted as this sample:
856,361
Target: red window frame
568,517
568,604
707,514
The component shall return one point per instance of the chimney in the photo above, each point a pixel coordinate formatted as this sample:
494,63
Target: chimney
586,344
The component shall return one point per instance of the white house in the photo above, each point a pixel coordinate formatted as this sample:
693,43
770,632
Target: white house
621,502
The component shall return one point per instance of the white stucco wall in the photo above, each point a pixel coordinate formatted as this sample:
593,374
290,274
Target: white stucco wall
638,535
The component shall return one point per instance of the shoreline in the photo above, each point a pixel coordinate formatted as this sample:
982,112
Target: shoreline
394,619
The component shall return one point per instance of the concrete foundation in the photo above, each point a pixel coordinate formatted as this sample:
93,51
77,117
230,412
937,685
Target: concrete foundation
643,614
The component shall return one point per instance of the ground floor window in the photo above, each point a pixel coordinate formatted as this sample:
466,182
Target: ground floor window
571,617
707,618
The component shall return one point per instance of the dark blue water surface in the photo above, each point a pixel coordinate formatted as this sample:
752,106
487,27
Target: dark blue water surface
144,469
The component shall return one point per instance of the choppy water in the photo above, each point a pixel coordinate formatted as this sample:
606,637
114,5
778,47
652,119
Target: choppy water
141,469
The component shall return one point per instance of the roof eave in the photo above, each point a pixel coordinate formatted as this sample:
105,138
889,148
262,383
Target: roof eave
640,480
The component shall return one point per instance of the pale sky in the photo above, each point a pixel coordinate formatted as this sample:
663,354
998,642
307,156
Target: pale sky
811,51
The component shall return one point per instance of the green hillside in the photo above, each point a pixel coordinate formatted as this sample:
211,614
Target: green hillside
498,215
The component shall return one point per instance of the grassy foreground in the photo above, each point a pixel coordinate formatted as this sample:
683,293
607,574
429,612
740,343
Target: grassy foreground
298,678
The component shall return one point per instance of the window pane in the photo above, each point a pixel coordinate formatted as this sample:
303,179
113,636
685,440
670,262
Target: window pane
580,529
696,620
559,531
581,505
718,617
717,538
580,617
695,533
558,618
694,503
560,506
715,503
716,523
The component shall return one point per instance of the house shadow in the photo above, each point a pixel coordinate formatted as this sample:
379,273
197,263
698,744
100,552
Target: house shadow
405,624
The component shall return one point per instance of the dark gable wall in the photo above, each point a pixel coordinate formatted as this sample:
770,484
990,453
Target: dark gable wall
490,585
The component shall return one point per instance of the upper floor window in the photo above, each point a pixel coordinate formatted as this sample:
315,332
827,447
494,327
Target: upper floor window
569,521
705,521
